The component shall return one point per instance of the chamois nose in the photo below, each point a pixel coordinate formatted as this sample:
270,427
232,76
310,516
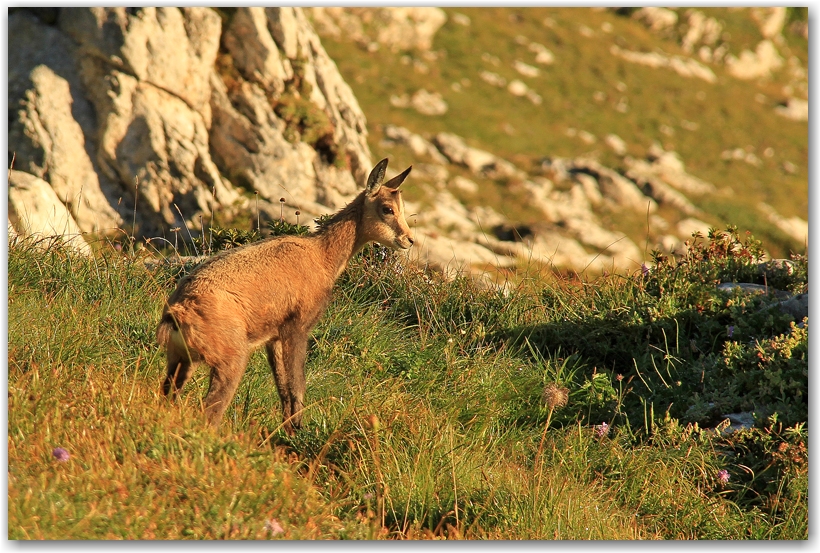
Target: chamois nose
410,240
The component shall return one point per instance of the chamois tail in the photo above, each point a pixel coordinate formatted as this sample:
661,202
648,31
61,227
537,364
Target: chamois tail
167,325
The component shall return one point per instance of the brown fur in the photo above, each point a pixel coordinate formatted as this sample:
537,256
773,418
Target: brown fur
271,293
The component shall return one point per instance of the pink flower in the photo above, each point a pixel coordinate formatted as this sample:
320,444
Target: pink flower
723,476
644,269
61,454
274,527
601,430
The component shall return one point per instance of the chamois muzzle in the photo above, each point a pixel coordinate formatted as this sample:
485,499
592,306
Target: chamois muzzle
404,243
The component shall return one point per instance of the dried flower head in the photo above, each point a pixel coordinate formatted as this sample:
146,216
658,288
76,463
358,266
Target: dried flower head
61,454
555,396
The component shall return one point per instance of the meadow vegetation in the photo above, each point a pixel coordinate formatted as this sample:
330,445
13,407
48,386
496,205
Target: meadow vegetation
560,408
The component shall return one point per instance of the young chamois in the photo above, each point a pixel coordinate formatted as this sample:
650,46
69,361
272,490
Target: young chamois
272,292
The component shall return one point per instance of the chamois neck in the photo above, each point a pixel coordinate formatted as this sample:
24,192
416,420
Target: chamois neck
341,237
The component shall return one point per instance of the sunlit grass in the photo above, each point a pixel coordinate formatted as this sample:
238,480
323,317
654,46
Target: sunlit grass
424,419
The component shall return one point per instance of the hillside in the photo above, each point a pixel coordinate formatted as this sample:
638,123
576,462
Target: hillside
699,109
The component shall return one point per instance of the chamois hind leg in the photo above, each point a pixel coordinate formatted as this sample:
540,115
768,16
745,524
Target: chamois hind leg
280,376
225,377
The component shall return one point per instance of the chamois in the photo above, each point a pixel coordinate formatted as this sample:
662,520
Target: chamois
272,292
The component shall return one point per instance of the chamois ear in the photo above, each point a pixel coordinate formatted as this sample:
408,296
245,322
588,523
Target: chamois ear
376,178
396,181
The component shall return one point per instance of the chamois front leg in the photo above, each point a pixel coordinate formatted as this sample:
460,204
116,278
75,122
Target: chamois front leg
280,376
297,352
287,357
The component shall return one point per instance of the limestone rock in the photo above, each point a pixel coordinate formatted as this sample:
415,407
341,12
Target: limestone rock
478,161
614,187
409,27
51,124
702,30
687,227
35,210
795,227
663,177
755,65
616,143
542,54
254,51
795,109
453,257
683,66
770,20
258,149
463,184
417,144
657,19
428,103
170,48
284,25
399,28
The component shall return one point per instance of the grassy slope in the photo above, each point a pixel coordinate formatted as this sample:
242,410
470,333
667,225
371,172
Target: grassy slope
424,417
727,113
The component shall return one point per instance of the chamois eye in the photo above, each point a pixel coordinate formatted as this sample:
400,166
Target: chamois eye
387,210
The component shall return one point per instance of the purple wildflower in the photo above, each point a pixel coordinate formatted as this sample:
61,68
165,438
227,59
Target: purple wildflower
61,454
601,430
723,476
644,269
730,331
368,496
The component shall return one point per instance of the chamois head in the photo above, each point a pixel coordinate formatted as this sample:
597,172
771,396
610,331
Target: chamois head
383,218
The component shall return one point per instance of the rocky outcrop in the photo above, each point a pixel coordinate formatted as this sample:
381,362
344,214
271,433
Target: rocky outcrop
295,130
51,123
180,112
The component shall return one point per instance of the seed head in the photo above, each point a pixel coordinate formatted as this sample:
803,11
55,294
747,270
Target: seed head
555,396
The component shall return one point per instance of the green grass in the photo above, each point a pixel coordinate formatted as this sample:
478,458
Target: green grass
425,416
726,112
